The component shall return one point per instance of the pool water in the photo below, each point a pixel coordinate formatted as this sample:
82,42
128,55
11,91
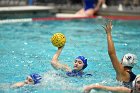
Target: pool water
26,48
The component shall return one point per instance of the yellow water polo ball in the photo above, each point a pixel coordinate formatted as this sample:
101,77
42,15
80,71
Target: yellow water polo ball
58,39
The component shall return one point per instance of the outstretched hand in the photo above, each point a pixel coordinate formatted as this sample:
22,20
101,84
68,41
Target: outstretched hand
108,26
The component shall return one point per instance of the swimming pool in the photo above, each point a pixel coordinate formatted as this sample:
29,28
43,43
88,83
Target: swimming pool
26,48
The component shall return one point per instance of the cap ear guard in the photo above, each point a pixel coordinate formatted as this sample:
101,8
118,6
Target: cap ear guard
85,64
84,61
129,60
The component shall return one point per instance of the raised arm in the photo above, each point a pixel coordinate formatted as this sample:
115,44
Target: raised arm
111,50
120,89
56,64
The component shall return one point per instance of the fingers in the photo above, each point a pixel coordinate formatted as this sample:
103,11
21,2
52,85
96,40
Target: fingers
108,26
60,47
111,26
110,22
105,26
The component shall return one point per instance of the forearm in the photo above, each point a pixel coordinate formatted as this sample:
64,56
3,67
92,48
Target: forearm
101,87
18,84
112,54
112,89
56,55
55,62
111,48
118,89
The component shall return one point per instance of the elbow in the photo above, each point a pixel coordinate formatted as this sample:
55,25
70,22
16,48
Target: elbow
53,62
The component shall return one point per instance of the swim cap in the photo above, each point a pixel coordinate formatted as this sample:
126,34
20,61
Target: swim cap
36,78
84,61
136,80
129,60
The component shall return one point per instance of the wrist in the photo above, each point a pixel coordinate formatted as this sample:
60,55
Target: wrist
108,33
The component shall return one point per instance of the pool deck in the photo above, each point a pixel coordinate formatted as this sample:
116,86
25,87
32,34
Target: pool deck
110,10
19,11
25,8
25,11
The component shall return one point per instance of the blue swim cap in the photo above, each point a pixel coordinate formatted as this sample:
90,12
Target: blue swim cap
36,78
84,61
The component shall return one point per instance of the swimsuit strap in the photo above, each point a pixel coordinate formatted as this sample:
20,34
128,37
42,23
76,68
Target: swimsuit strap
132,76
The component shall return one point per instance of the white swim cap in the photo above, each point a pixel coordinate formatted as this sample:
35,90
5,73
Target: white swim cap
136,81
129,60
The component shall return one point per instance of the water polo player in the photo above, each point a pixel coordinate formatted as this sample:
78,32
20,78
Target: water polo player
32,79
80,62
118,89
124,68
79,65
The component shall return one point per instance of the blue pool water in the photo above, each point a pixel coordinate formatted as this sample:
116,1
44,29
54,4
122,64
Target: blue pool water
26,48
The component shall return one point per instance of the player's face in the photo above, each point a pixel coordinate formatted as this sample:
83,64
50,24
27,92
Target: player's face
78,64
